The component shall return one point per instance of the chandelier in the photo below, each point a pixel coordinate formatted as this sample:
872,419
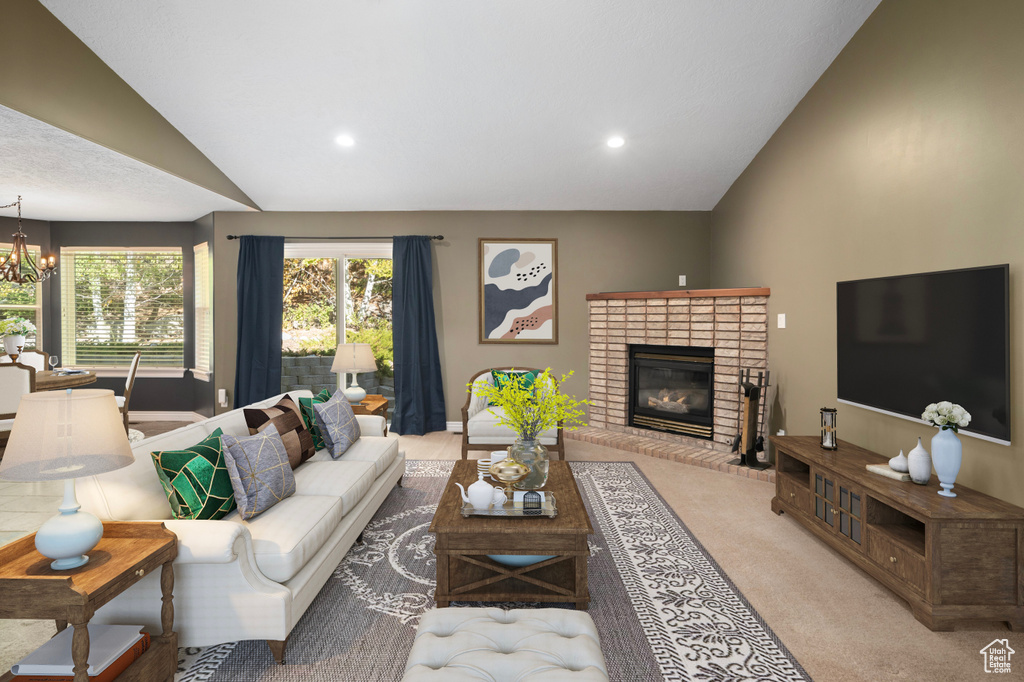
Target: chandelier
18,266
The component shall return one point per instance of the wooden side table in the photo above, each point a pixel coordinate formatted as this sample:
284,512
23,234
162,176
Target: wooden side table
29,588
374,404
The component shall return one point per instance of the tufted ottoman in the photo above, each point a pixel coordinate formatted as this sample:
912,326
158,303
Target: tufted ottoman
491,644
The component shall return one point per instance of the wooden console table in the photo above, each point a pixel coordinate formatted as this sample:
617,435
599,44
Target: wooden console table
29,588
950,558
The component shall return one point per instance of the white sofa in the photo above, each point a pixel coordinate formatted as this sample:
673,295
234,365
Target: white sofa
236,579
480,427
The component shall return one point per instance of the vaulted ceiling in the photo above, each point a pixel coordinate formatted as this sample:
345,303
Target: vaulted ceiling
459,104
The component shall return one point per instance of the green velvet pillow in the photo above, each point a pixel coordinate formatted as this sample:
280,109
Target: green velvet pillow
196,480
526,379
308,416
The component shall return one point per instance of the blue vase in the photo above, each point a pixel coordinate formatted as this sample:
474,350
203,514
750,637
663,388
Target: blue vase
946,456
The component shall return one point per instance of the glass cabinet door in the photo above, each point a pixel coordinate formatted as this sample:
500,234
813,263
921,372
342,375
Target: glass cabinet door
824,499
849,513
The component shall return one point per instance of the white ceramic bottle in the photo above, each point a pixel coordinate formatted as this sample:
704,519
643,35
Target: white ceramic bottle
920,464
899,463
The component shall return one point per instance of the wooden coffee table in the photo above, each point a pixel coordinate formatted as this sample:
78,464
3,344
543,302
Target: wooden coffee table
465,573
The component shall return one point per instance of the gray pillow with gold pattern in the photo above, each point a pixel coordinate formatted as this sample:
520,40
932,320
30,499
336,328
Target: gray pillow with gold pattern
260,473
337,423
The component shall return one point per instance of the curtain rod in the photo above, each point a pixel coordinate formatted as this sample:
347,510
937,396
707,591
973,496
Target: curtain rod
436,237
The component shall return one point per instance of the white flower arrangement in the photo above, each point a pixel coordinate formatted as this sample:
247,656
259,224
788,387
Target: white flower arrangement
946,415
16,326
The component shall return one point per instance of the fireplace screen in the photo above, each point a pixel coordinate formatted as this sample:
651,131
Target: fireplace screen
671,389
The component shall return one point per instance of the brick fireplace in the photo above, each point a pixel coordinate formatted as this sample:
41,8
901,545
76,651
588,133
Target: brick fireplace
732,324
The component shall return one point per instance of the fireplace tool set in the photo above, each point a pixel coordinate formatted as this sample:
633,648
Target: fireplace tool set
749,441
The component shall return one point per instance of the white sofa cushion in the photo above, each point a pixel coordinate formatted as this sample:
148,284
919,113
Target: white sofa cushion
288,534
348,481
490,644
380,451
483,427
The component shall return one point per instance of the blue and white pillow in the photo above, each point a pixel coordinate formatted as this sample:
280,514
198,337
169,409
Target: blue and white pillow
260,473
337,423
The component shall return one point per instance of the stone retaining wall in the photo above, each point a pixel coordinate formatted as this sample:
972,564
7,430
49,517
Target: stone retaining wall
313,372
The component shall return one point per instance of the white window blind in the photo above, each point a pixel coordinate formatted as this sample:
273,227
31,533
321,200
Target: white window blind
118,301
203,310
23,300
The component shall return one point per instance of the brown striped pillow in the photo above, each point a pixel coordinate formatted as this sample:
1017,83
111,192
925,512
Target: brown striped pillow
285,416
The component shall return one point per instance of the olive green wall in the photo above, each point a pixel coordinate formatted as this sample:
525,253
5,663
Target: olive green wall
51,75
904,157
597,251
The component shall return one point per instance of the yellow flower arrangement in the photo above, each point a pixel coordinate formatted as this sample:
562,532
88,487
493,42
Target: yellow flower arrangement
533,407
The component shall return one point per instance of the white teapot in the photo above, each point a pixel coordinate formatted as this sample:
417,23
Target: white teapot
482,495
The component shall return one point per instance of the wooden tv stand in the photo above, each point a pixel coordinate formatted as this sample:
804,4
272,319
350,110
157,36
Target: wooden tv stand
951,558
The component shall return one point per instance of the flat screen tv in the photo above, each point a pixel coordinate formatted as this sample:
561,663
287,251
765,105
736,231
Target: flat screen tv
911,340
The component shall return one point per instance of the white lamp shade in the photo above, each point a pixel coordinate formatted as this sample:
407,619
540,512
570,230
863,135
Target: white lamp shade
62,435
354,357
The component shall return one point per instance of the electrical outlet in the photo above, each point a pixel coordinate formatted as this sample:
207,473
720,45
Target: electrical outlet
682,280
782,321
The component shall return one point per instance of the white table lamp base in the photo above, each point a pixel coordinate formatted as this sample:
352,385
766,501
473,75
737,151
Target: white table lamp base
66,538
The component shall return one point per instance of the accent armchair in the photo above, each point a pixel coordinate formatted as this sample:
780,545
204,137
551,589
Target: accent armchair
480,427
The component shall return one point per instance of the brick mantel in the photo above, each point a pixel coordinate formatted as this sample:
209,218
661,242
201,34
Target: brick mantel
678,293
732,321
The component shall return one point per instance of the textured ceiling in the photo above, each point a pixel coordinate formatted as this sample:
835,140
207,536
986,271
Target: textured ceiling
463,104
63,177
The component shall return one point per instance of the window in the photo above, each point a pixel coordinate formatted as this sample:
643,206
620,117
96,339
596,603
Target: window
23,300
204,313
118,301
322,279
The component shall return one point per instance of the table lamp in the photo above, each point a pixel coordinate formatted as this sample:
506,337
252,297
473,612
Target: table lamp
63,436
354,358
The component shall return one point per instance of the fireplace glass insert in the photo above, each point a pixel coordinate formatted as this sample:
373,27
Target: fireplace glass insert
671,389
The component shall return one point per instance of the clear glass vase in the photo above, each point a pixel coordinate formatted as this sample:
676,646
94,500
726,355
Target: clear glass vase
534,455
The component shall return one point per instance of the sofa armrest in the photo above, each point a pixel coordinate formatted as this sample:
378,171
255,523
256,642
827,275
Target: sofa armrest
209,542
371,424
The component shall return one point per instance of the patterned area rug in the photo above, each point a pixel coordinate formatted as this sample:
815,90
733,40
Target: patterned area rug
663,607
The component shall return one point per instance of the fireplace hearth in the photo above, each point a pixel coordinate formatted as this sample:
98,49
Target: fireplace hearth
671,389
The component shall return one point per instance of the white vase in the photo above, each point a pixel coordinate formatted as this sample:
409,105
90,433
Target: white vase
899,463
919,464
12,341
946,454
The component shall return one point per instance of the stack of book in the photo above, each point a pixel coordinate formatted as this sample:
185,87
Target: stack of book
112,648
887,471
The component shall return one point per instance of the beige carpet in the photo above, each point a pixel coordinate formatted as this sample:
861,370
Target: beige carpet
838,622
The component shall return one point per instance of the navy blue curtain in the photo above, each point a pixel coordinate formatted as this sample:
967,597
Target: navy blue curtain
419,394
260,305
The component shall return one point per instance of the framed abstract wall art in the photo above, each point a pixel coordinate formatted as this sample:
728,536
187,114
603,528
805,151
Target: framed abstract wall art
518,290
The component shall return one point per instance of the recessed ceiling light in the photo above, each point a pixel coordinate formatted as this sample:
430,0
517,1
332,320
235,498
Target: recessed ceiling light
345,140
615,142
